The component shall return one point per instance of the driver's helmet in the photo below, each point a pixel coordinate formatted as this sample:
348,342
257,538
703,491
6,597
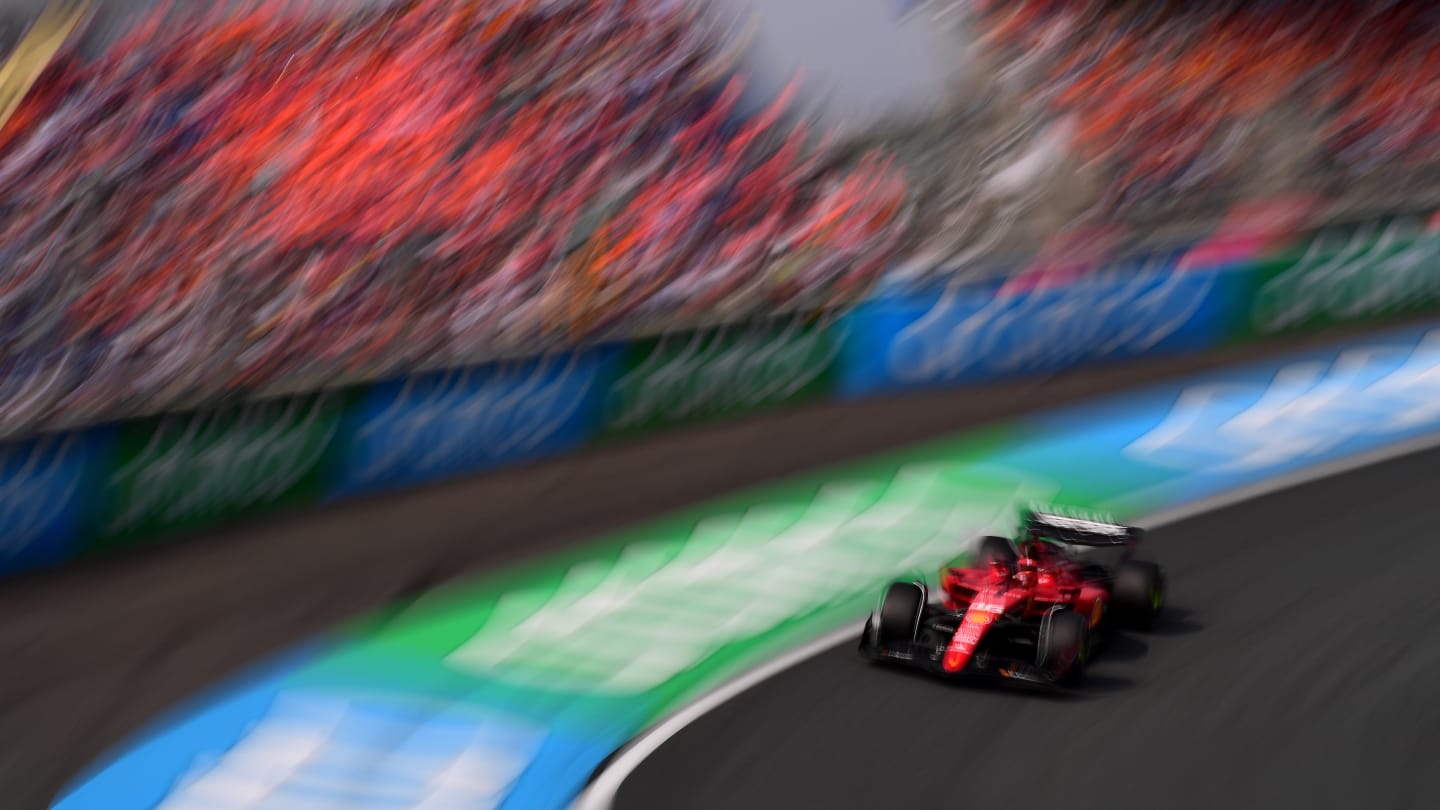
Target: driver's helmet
1027,571
999,569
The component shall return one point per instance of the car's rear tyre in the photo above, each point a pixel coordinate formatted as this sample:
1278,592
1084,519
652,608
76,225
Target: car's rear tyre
1063,649
900,613
995,548
1138,595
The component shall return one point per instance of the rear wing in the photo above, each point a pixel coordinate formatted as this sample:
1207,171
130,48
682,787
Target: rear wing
1082,531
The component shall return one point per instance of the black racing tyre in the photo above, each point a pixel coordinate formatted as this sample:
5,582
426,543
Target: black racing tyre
1063,648
993,548
900,612
1138,595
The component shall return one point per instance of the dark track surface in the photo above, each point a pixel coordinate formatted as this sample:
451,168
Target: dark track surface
1298,668
87,655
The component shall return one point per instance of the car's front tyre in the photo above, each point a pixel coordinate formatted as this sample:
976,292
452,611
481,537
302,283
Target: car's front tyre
1063,648
897,619
900,610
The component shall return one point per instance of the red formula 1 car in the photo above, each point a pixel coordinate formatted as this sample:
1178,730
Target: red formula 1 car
1033,615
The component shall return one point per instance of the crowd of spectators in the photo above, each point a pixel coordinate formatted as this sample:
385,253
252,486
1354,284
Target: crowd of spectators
272,194
269,194
1172,97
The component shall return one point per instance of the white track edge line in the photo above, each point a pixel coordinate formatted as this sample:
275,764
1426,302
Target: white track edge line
601,792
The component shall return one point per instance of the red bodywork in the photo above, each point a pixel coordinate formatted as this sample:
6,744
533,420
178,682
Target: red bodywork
986,595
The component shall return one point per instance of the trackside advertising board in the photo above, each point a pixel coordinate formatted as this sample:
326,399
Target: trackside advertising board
728,371
967,335
510,691
110,487
1364,272
430,427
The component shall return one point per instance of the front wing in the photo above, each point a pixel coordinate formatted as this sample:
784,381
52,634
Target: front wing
986,664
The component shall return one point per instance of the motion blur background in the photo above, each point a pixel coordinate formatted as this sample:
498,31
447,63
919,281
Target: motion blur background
341,301
207,202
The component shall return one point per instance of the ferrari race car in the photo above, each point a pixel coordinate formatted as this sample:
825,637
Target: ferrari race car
1030,612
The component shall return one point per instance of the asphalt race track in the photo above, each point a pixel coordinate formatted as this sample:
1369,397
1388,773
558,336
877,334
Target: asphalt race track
91,653
1298,668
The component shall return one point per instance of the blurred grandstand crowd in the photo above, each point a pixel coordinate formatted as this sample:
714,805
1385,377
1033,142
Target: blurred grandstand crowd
1125,126
1175,99
274,195
220,201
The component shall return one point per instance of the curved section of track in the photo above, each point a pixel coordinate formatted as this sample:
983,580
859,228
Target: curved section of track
93,652
1297,668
